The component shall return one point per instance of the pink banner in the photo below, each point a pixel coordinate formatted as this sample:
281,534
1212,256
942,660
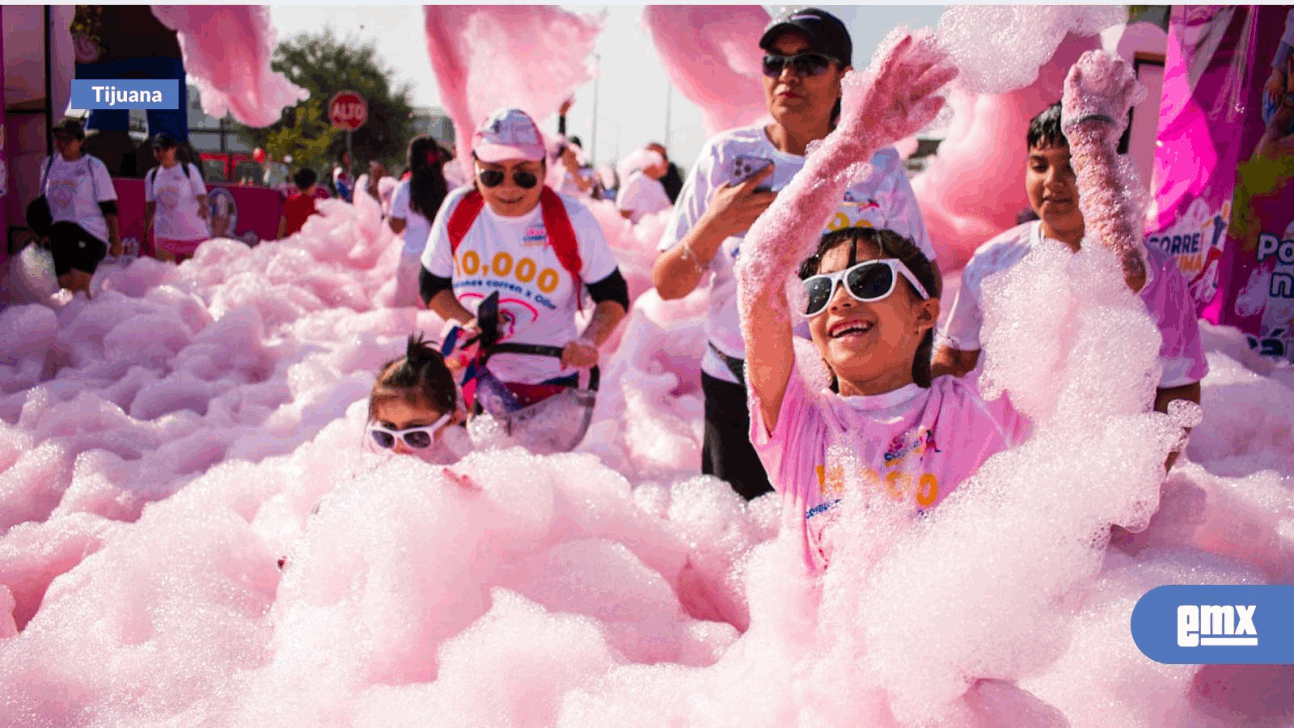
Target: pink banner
1224,205
249,214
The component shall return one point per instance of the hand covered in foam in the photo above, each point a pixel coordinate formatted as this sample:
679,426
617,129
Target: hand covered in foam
895,97
1099,91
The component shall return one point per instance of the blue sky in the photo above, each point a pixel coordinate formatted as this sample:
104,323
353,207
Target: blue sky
631,85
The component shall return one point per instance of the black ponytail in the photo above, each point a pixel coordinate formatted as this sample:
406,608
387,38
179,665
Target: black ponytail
419,377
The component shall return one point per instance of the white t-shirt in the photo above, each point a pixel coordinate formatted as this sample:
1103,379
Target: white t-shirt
884,199
176,194
641,195
417,227
538,298
1165,295
75,189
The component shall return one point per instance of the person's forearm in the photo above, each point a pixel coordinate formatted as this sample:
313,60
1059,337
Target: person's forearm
446,306
679,270
150,209
607,315
1189,392
1105,198
114,230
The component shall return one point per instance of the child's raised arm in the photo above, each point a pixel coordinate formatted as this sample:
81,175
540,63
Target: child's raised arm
1099,91
891,100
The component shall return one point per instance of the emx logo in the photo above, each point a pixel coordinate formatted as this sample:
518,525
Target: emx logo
1198,625
1213,625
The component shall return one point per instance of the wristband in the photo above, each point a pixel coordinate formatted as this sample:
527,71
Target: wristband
689,255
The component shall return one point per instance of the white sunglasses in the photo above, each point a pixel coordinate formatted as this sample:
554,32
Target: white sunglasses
870,280
418,438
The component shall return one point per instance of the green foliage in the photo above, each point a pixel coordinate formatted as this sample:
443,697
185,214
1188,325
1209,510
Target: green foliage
323,64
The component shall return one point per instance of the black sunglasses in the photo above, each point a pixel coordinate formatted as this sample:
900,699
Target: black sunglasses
805,64
494,178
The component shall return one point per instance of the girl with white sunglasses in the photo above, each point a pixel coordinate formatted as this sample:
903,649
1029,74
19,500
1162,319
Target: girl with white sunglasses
872,299
415,408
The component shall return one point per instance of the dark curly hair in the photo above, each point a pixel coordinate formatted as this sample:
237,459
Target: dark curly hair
888,244
420,377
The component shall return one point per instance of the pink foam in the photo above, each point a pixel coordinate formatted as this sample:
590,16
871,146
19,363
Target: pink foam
492,57
227,51
712,55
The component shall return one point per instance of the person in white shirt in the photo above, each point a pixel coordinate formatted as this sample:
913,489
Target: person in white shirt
642,193
82,208
537,248
175,206
342,182
413,206
734,180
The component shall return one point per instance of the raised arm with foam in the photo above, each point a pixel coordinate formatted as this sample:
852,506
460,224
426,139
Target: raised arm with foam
1099,91
891,100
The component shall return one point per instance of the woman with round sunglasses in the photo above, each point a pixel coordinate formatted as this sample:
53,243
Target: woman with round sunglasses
537,249
733,182
414,408
884,427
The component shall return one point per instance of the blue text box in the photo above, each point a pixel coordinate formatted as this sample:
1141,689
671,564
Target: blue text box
1216,625
126,93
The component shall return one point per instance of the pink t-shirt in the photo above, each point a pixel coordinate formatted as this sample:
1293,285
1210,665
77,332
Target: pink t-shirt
1166,295
915,444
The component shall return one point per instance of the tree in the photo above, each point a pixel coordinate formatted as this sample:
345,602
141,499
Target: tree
323,64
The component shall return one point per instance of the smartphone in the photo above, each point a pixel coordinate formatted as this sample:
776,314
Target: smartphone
745,167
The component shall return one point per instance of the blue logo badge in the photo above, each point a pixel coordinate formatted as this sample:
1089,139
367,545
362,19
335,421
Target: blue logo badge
1217,625
126,93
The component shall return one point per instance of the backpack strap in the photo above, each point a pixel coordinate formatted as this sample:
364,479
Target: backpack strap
561,235
557,223
465,214
45,177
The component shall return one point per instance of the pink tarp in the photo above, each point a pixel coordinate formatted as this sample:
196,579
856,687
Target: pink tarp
531,57
227,51
712,55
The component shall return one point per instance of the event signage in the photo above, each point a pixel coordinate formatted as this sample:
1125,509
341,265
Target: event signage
347,110
126,93
1224,174
247,214
1216,625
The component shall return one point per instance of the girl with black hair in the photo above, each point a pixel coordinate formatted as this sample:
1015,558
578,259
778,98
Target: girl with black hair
872,299
418,199
808,54
415,407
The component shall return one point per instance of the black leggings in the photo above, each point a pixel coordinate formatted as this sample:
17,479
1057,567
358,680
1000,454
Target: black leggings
75,249
727,453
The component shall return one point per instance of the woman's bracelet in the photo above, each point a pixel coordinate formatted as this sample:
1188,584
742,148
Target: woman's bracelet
689,255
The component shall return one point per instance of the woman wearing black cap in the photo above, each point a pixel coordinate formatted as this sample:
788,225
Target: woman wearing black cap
175,207
83,208
734,180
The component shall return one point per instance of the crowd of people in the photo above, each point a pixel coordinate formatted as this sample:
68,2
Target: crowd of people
511,264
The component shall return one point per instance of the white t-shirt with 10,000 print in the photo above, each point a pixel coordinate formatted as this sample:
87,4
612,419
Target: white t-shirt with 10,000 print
176,192
75,189
538,298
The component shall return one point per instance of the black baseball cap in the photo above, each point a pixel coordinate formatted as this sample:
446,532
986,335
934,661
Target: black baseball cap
71,127
826,34
162,140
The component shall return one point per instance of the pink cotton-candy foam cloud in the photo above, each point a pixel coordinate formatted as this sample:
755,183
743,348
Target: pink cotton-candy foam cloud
491,57
712,55
227,51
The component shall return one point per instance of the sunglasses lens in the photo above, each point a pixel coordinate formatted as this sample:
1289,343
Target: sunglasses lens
525,180
871,282
384,440
417,440
819,290
811,64
491,177
773,65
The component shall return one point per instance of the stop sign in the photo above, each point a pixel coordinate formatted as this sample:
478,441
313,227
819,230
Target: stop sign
347,110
